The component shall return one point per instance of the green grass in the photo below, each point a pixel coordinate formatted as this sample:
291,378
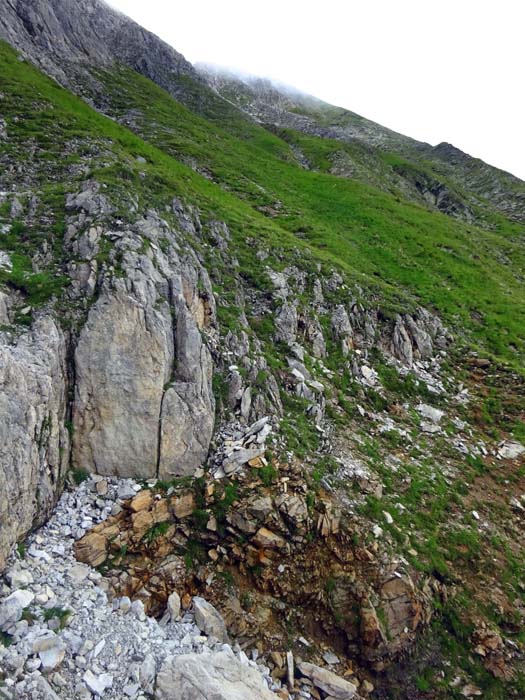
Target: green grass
5,639
267,474
398,250
79,475
61,614
393,244
156,531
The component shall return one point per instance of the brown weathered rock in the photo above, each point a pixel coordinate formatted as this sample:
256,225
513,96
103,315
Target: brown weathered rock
142,500
293,508
491,647
102,487
160,511
91,549
241,521
142,522
256,462
327,524
402,608
109,527
268,540
372,634
260,508
183,504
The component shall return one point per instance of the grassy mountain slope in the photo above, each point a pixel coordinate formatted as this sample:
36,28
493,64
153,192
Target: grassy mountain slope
443,176
471,276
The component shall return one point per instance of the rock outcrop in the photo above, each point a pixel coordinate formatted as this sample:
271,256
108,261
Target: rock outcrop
34,443
143,402
123,360
136,392
408,337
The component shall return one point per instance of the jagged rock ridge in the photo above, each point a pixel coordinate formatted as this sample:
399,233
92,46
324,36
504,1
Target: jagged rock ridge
65,39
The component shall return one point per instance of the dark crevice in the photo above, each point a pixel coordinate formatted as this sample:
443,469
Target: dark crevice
171,301
70,394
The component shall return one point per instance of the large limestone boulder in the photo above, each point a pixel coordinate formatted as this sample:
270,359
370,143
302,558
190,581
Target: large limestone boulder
34,444
123,360
214,676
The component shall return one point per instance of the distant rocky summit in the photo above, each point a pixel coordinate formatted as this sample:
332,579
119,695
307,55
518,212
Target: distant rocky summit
67,41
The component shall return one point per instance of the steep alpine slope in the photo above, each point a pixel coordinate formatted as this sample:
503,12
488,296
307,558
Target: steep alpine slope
442,176
320,381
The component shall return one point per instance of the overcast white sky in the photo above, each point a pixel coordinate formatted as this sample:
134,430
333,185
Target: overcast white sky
437,71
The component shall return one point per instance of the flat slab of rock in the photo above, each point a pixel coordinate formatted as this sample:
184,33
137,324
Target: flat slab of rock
183,504
91,549
237,459
510,450
141,501
97,684
218,675
51,651
329,682
209,620
430,413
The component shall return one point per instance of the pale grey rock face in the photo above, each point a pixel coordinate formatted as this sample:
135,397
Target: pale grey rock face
34,445
286,324
186,429
408,338
62,36
187,416
144,403
143,399
416,336
217,675
123,359
401,343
